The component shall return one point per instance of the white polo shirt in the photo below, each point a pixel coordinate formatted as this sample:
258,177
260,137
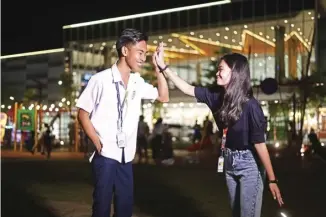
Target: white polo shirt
100,99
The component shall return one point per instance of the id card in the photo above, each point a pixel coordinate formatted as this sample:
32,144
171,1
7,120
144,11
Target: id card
121,139
220,164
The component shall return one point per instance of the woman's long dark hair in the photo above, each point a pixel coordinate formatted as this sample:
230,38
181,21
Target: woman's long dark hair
237,92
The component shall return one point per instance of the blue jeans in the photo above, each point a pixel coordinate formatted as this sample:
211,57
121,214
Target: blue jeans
244,179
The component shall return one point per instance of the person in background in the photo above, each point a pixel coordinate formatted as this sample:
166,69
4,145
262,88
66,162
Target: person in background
167,148
47,139
142,135
197,133
156,143
315,143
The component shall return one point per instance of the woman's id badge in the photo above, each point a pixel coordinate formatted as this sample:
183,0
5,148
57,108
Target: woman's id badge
220,164
121,139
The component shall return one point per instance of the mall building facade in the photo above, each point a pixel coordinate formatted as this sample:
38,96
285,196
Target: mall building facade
276,36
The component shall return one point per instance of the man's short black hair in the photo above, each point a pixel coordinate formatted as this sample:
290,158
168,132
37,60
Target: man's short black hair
129,36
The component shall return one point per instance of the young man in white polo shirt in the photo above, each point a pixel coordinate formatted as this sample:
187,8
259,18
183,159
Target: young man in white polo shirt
113,100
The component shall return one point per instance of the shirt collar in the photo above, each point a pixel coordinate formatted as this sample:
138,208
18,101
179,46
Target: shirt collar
116,73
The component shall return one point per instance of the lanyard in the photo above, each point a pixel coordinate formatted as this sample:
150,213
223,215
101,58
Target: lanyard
225,131
120,106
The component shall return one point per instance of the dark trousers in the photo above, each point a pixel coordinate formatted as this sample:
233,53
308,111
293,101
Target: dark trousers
157,147
142,144
112,178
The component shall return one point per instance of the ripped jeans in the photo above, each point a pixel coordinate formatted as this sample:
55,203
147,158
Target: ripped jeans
244,179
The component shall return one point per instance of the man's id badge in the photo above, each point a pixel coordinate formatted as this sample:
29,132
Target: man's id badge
220,164
121,139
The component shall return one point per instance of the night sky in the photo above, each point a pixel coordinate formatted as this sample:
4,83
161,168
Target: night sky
36,25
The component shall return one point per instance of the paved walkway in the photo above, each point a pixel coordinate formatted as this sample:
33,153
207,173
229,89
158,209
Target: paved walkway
63,187
75,209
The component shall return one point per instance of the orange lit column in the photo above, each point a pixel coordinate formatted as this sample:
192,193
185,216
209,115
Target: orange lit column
279,53
293,55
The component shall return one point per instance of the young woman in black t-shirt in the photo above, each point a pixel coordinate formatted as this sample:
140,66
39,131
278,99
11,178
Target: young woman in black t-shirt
239,115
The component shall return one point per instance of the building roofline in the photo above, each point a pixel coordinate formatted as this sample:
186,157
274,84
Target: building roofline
57,50
134,16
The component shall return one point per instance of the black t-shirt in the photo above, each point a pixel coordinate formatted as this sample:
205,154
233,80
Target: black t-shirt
248,130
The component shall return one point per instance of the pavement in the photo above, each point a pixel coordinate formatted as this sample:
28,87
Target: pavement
62,187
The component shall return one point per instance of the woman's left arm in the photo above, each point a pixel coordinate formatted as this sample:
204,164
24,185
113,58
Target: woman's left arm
257,126
265,159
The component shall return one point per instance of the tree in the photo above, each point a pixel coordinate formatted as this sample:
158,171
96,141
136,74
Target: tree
30,96
311,91
278,120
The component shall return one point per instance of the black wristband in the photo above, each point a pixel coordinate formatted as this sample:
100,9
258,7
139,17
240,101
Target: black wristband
162,70
273,181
